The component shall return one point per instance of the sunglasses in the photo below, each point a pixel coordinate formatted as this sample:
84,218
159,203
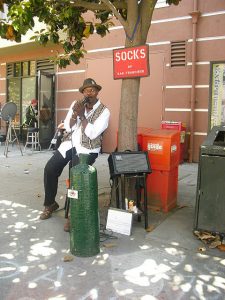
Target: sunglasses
90,90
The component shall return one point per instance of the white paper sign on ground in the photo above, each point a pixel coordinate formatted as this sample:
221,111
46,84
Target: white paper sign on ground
119,221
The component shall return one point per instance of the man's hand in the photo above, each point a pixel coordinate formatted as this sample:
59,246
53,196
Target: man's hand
79,108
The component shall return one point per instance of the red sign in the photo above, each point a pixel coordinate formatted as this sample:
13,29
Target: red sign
131,62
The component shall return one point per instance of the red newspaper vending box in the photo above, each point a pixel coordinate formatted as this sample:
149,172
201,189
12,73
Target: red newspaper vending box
163,148
141,131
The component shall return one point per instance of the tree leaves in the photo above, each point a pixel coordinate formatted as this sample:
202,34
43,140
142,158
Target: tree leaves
10,33
68,47
89,29
210,239
176,2
54,37
64,20
75,58
102,29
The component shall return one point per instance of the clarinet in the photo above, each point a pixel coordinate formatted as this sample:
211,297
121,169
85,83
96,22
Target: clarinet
85,100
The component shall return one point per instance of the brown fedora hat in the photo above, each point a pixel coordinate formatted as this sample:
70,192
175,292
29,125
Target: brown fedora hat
89,82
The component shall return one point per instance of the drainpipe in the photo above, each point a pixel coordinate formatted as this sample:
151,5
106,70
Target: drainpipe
195,15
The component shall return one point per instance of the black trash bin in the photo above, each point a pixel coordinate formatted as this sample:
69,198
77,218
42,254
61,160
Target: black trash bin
210,195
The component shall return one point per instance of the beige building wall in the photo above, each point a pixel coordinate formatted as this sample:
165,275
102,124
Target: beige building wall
166,93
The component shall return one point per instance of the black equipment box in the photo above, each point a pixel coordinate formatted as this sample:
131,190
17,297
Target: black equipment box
129,162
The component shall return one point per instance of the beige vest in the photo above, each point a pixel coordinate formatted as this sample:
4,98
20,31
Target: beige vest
97,142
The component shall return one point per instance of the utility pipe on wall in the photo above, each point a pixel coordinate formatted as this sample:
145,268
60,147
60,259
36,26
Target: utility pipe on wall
195,15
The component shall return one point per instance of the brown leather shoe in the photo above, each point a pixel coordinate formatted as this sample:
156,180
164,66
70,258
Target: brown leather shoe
48,210
67,225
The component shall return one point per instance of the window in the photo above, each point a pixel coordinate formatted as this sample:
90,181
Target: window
14,96
21,83
28,93
17,70
32,68
25,68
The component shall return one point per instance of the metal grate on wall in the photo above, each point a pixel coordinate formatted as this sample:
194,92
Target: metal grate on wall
45,65
178,54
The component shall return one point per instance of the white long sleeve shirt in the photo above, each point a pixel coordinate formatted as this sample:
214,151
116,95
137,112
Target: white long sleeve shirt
91,130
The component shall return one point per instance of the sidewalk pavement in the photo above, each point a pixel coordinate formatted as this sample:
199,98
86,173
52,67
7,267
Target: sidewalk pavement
162,264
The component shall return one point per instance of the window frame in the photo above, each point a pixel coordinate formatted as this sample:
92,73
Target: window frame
20,76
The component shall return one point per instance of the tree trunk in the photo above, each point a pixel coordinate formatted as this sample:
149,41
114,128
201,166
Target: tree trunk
127,136
138,20
136,35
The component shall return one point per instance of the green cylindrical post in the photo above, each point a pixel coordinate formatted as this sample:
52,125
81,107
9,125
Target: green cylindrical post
84,217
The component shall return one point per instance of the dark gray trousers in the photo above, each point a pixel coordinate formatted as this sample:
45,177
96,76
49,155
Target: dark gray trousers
54,168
